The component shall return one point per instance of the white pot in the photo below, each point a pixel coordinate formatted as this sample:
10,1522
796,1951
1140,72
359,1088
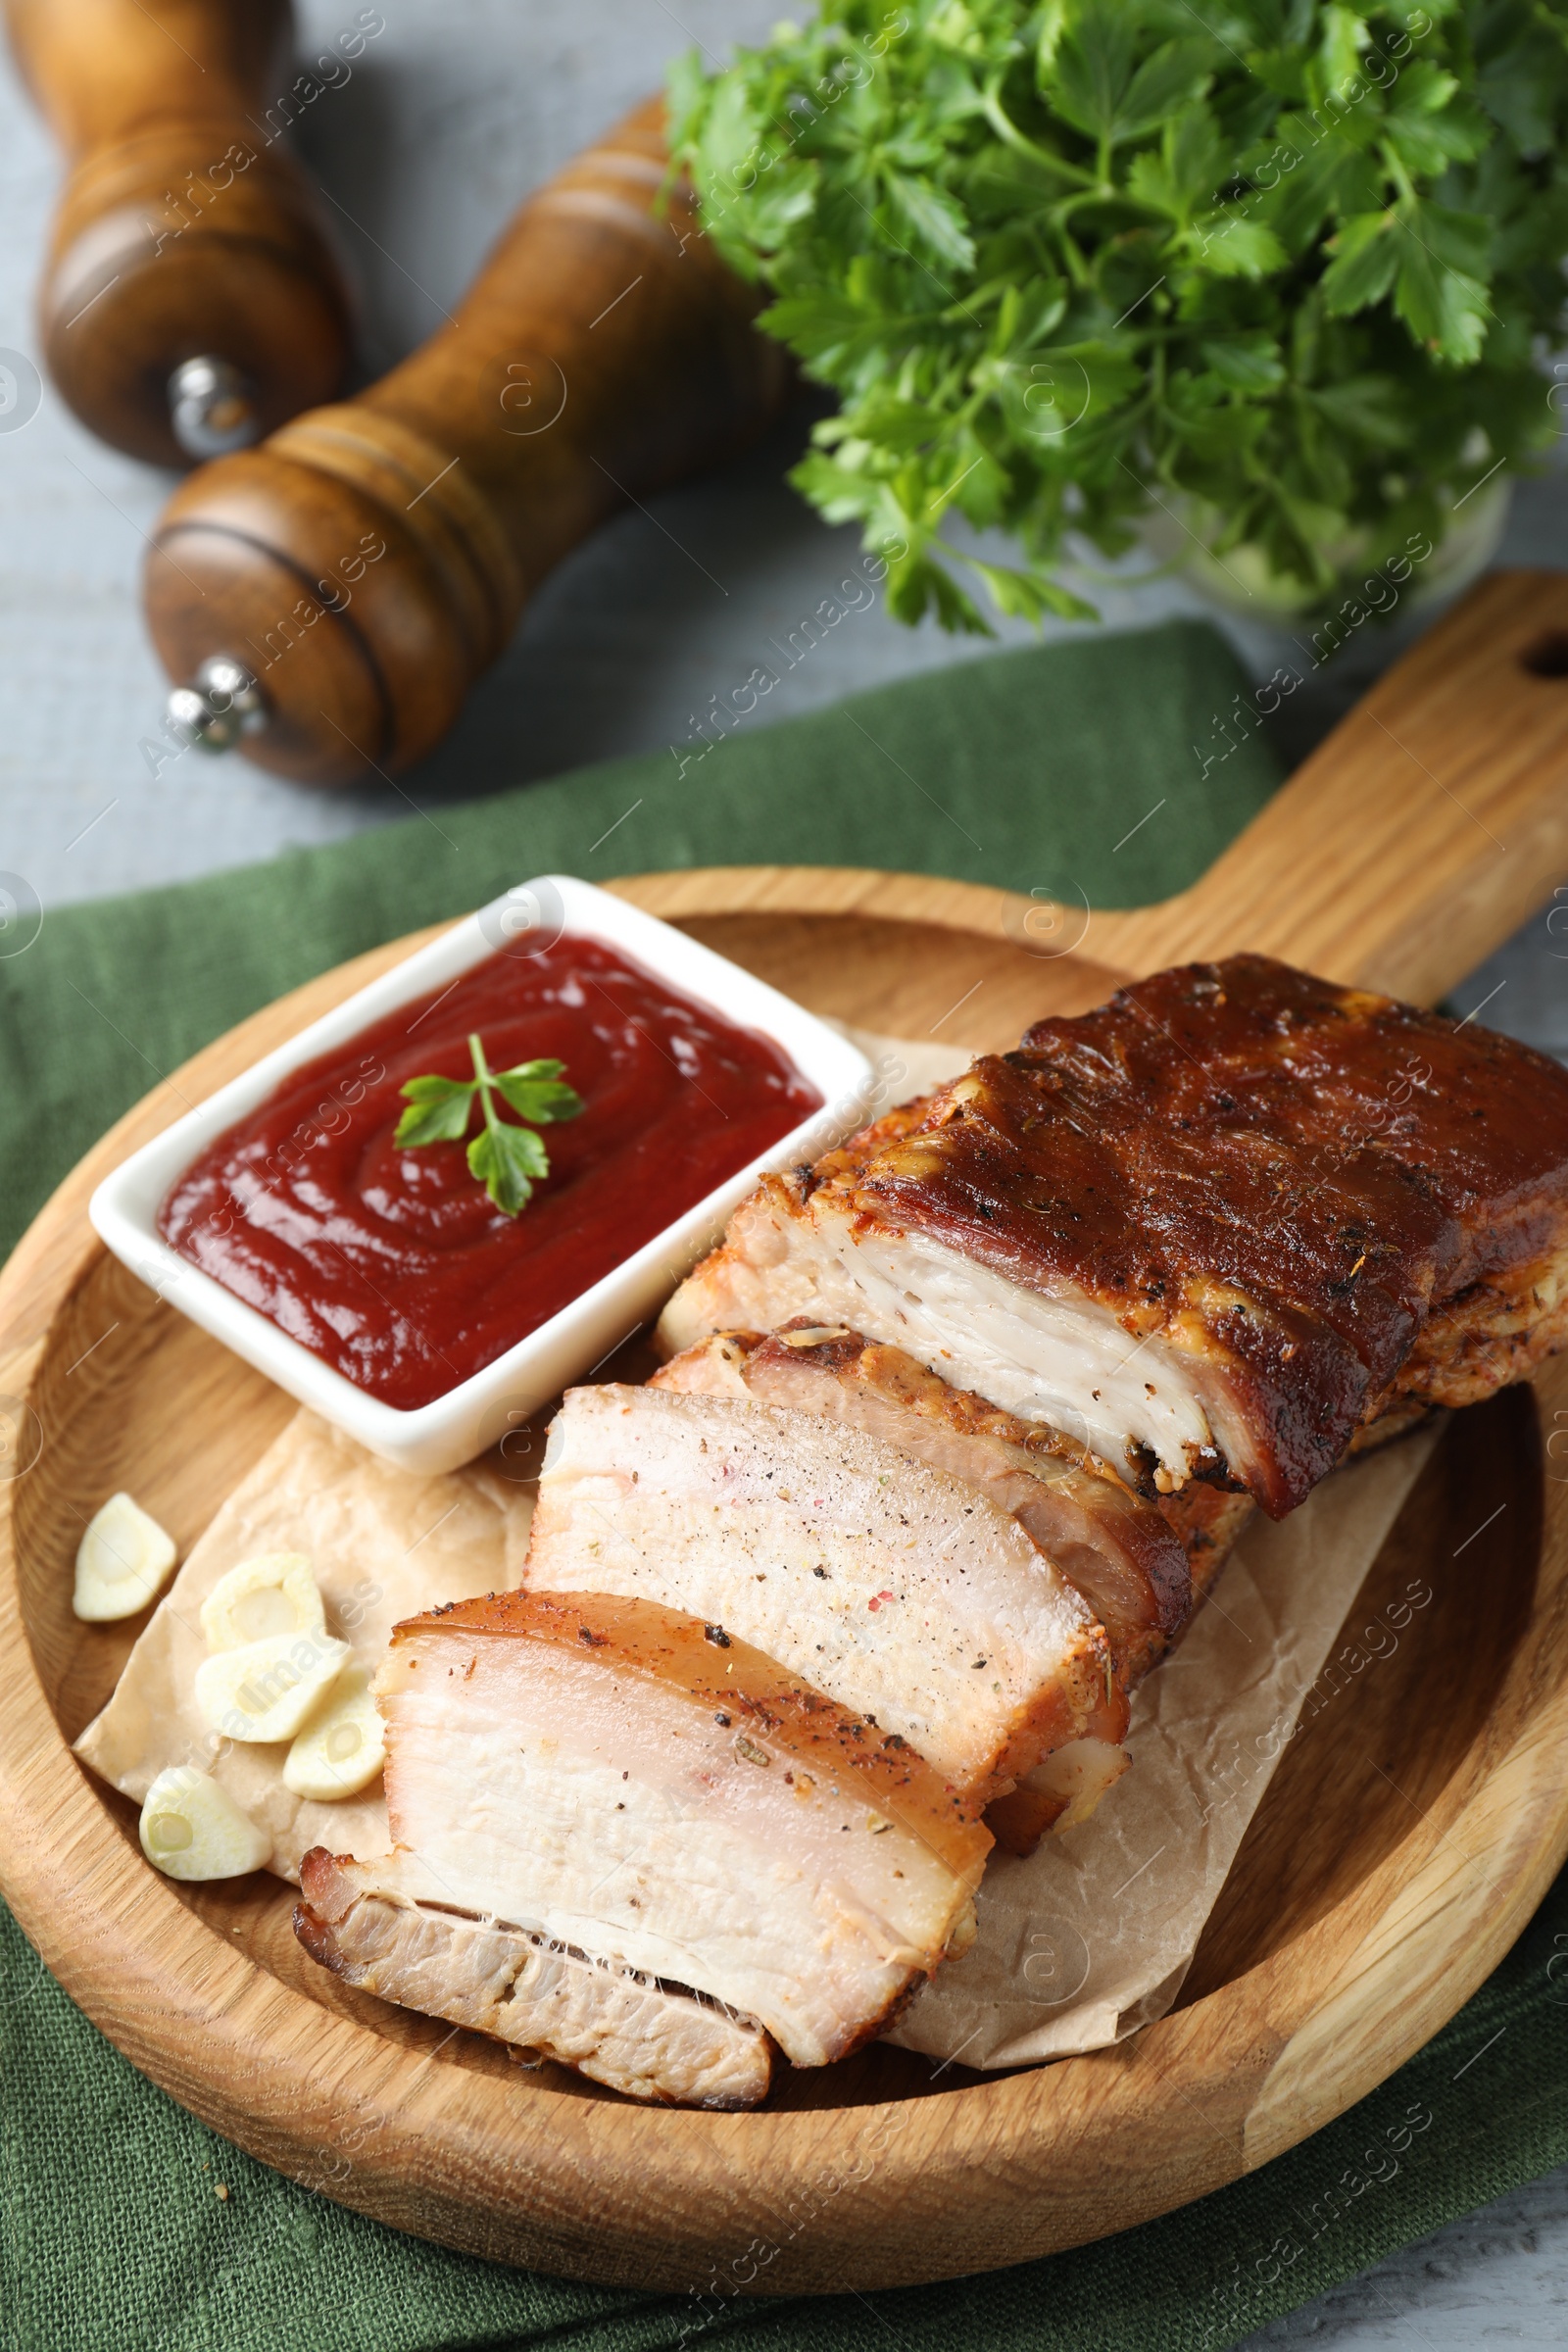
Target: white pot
1243,582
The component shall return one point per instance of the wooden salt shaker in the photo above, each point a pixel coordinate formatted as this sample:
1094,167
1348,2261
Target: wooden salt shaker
327,601
191,302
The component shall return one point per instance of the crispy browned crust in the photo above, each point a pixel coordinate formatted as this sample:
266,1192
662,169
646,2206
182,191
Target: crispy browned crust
1209,1522
314,1932
1285,1178
847,1159
1020,1819
1017,1822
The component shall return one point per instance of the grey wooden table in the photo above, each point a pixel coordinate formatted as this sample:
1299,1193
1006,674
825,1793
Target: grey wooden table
456,109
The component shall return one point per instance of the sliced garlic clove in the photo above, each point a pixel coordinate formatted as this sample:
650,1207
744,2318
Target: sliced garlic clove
192,1828
265,1689
264,1599
121,1561
340,1749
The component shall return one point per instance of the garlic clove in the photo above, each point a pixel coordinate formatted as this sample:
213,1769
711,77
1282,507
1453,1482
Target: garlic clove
265,1689
121,1561
192,1828
264,1599
340,1751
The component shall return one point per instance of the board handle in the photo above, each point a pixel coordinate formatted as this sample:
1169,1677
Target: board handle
1420,834
327,600
191,302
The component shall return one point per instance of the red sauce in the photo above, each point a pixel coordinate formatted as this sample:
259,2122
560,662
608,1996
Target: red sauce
393,1265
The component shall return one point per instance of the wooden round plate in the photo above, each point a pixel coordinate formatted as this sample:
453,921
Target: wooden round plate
1411,1828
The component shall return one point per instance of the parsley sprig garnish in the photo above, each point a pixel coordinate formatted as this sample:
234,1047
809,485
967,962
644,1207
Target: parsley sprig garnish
508,1161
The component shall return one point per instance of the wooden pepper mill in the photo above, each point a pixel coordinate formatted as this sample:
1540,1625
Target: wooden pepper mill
191,302
327,601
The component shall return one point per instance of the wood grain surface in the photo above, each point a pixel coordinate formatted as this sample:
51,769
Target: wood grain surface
184,229
1413,1827
372,559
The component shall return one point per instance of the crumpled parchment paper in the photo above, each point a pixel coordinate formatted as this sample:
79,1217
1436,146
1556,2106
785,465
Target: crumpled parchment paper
1091,1936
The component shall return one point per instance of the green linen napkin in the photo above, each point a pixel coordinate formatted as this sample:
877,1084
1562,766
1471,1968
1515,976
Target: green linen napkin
1025,770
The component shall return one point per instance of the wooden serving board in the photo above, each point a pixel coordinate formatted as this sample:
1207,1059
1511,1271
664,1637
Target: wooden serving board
1408,1834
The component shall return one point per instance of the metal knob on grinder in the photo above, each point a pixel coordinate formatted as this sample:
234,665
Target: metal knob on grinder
220,706
212,408
191,302
370,559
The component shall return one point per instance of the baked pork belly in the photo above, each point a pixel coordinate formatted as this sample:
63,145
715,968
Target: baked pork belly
1112,1544
609,2022
904,1592
1208,1228
1141,1565
622,1781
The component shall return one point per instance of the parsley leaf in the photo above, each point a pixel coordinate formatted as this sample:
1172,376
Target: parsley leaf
508,1161
441,1111
535,1093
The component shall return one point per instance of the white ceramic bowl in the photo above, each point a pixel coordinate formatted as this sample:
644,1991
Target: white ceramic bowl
479,1412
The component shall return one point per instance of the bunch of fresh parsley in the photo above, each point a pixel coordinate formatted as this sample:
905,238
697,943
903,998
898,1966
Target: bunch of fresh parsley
1289,266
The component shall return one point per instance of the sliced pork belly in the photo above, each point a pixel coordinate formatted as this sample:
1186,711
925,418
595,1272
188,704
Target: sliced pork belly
800,1252
609,2022
1130,1567
1142,1567
1211,1227
619,1779
904,1592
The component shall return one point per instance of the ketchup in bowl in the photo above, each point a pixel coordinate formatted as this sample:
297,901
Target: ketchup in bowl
393,1264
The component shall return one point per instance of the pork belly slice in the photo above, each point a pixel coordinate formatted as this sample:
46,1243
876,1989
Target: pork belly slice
1211,1227
619,1779
795,1253
1112,1544
905,1593
609,2022
1141,1565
